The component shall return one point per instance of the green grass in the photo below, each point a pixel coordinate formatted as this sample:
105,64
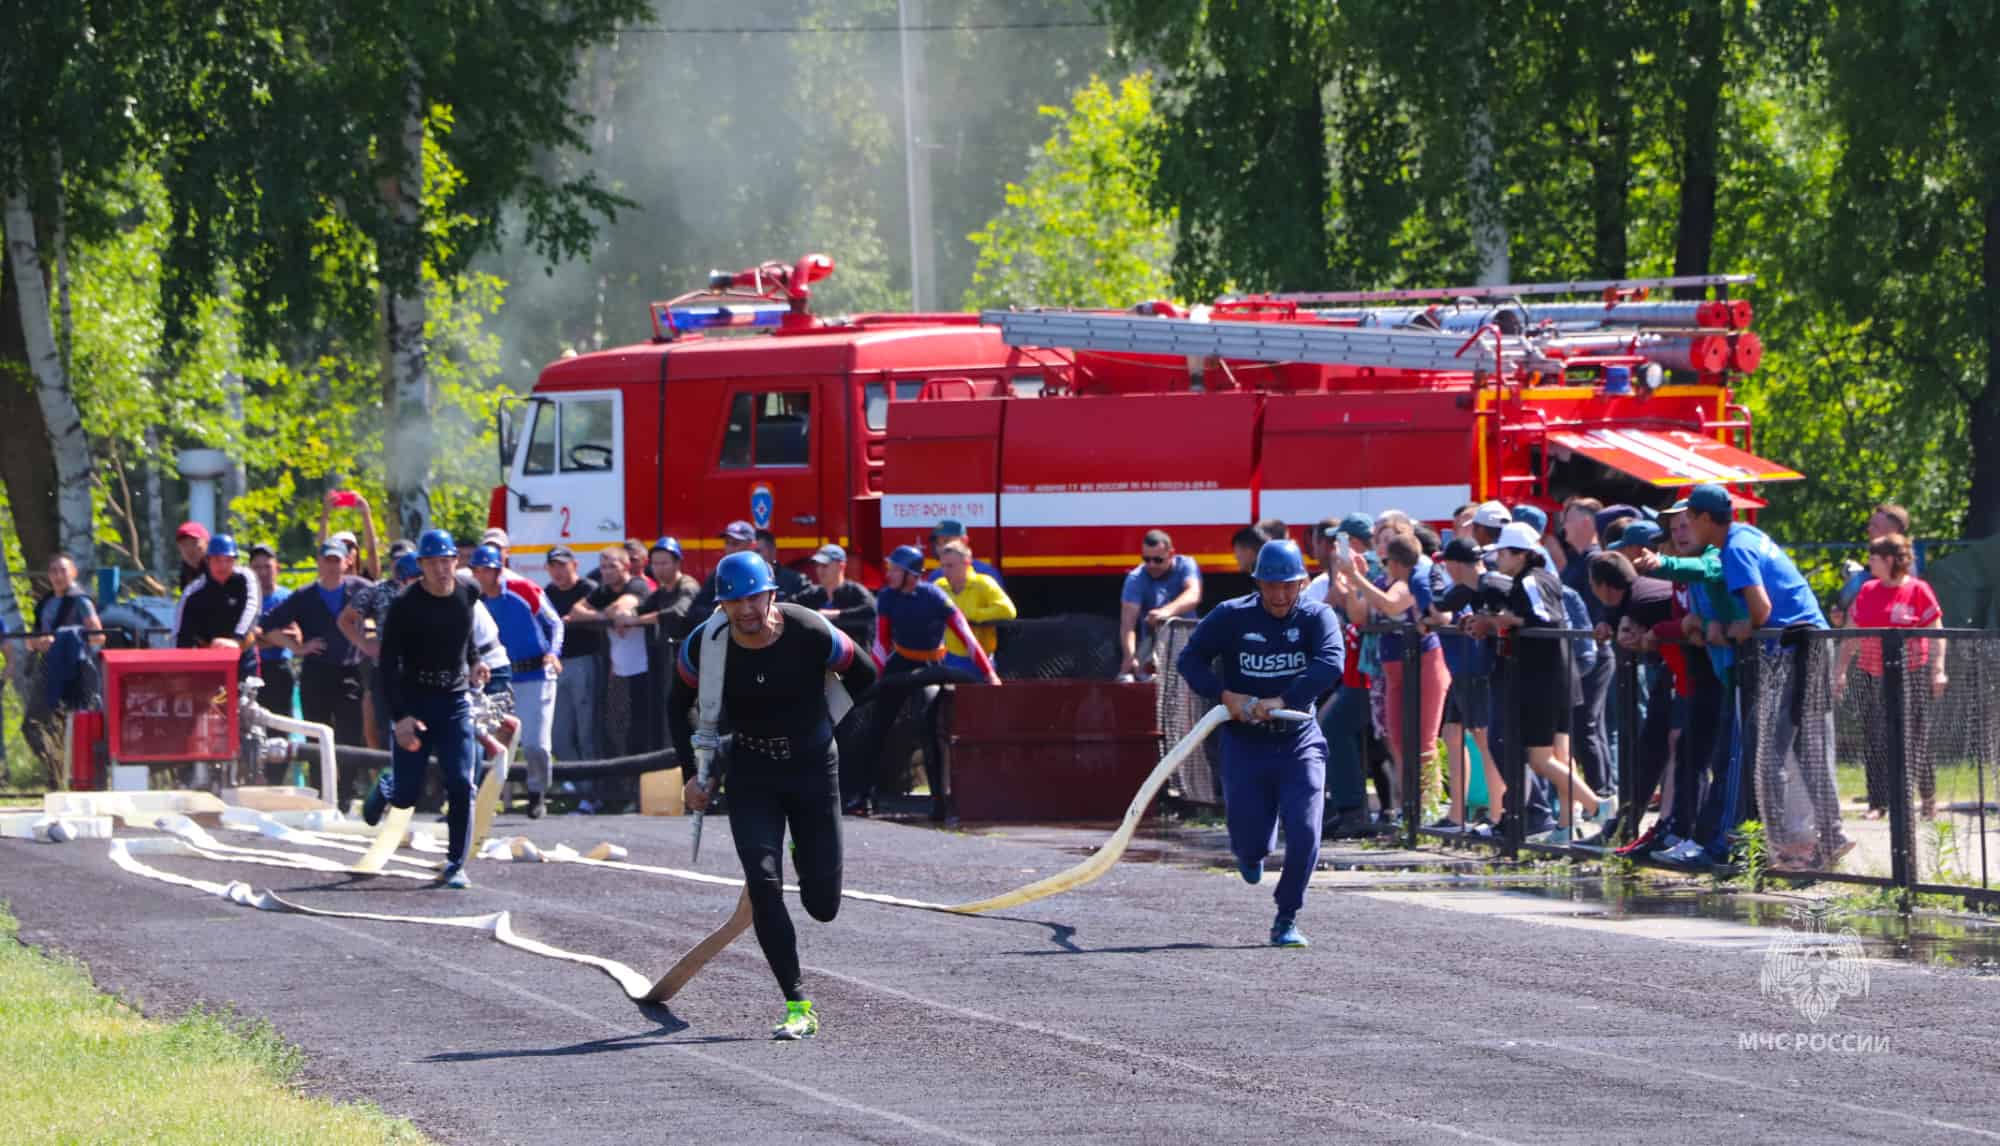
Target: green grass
1957,781
79,1066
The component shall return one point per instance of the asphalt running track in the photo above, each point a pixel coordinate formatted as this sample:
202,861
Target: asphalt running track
1143,1009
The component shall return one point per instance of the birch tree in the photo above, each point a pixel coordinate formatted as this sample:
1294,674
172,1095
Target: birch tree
61,67
323,155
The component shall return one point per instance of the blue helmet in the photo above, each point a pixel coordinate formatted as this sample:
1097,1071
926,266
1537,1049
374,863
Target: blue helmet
667,545
485,557
436,543
222,545
907,557
1280,561
407,567
742,575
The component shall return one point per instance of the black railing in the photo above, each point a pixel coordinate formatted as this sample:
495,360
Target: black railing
1810,707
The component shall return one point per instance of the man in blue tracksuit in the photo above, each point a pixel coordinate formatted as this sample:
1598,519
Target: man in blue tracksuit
532,634
1276,652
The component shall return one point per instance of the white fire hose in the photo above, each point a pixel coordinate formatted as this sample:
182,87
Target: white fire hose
191,840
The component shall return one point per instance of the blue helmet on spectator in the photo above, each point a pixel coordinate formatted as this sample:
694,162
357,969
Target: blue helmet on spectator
222,545
667,545
408,567
742,575
1280,561
436,543
485,557
907,557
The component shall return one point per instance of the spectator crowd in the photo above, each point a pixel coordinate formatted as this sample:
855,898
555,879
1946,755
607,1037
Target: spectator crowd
1502,626
1445,625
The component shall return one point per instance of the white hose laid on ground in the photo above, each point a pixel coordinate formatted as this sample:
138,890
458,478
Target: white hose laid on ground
497,924
192,840
1101,860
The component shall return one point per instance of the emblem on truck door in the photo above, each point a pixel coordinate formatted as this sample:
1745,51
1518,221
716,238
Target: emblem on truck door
762,505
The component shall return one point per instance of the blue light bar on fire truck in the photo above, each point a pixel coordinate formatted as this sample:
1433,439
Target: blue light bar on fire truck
670,322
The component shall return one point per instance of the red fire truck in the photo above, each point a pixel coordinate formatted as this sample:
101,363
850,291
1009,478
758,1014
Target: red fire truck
1059,438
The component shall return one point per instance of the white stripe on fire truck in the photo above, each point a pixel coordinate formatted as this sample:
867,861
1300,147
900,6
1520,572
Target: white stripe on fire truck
1126,507
1423,502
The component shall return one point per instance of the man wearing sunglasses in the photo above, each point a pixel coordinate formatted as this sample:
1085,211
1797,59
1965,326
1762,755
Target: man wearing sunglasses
1163,586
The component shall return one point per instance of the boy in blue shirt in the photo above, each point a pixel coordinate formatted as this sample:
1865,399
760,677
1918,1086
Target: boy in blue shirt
1277,652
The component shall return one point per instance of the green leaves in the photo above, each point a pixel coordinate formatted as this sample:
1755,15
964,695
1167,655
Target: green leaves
1079,230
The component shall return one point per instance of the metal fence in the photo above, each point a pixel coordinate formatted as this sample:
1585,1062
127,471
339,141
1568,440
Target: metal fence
1857,758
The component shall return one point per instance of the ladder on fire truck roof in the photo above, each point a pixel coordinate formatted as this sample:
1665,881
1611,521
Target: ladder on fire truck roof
1512,290
1247,341
1391,345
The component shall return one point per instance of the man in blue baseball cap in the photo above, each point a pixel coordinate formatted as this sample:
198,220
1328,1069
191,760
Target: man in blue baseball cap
218,609
532,635
308,623
1639,534
431,662
737,537
848,604
1278,652
1798,670
911,617
782,765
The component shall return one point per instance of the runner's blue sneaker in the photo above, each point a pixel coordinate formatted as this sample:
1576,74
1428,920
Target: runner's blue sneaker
377,801
800,1022
1251,870
1285,933
453,876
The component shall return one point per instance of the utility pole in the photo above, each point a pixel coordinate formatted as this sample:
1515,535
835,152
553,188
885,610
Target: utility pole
916,156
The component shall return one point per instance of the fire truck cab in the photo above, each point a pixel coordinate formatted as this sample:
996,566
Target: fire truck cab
690,432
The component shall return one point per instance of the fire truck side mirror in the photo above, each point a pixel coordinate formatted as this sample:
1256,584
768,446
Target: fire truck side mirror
503,436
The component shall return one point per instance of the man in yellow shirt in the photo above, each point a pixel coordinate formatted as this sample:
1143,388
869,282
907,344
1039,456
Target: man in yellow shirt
977,595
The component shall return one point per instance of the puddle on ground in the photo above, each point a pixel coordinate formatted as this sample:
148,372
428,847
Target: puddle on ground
1929,938
1926,938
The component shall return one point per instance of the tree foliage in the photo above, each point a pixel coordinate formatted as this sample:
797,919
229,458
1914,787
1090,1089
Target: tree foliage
1078,229
1848,154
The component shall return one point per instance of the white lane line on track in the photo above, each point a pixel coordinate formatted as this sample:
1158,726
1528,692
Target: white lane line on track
1196,1069
1791,1096
1648,1064
1234,1082
812,1092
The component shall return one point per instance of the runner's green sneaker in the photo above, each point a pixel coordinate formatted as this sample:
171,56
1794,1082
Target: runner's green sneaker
800,1022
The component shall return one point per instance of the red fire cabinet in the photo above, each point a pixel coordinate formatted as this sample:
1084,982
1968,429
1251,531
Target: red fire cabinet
170,706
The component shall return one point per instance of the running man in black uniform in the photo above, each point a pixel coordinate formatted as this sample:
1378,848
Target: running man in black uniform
431,662
782,765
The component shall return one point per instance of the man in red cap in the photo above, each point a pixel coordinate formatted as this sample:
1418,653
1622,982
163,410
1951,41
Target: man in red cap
192,540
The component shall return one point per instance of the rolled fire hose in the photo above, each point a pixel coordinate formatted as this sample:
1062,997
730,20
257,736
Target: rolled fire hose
191,840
